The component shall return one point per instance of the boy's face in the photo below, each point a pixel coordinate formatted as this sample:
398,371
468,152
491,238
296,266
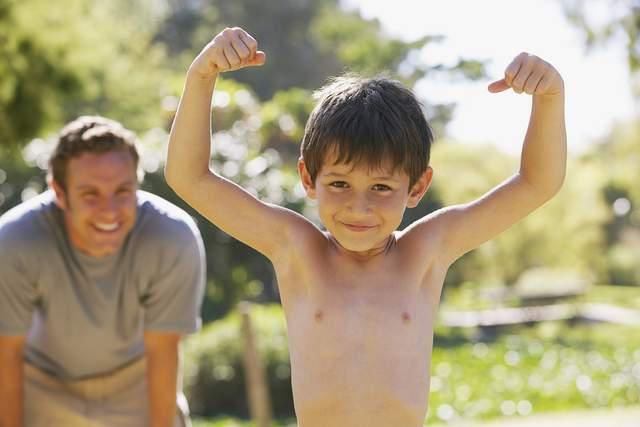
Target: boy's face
99,202
360,206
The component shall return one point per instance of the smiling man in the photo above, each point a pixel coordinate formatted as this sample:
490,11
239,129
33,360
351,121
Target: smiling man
98,282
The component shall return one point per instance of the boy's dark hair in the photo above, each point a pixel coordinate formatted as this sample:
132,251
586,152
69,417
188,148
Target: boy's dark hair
368,121
89,134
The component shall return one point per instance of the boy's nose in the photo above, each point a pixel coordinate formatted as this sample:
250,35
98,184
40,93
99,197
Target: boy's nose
359,204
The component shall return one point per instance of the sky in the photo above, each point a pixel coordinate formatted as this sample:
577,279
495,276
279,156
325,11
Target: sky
597,88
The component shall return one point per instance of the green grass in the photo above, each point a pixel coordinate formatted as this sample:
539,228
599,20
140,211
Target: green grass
549,367
622,296
234,422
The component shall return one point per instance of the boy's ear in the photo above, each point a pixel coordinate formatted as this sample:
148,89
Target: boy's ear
61,196
307,182
420,188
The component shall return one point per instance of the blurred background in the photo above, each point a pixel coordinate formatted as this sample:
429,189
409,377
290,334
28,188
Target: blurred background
543,319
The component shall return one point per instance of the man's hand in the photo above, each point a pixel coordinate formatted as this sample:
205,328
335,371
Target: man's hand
232,49
530,74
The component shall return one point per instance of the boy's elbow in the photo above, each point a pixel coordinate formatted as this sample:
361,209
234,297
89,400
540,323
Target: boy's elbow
553,187
545,189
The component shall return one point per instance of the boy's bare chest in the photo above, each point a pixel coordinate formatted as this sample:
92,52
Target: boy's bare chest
363,303
349,315
362,338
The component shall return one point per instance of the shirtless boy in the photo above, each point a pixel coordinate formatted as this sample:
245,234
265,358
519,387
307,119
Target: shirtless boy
360,298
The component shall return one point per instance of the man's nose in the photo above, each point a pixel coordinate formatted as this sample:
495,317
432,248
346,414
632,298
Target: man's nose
110,205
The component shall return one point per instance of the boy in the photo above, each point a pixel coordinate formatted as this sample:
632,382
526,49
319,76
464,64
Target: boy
360,298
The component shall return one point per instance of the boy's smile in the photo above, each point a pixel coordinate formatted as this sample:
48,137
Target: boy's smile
361,206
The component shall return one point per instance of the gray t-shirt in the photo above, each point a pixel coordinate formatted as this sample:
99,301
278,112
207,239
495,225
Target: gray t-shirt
85,316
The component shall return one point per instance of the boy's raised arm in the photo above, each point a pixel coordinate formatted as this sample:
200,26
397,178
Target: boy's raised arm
224,203
542,166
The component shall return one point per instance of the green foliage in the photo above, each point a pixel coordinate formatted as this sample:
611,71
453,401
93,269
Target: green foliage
620,194
623,20
354,40
32,65
17,179
550,367
79,56
621,296
283,121
234,422
305,42
565,233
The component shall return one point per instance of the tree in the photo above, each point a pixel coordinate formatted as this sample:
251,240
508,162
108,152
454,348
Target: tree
563,234
77,57
604,21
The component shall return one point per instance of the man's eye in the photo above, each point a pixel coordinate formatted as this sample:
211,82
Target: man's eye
381,187
339,184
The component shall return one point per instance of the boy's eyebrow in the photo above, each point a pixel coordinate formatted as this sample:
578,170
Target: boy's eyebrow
377,177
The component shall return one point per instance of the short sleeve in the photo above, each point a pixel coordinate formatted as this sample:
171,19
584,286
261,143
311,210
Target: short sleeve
174,296
18,291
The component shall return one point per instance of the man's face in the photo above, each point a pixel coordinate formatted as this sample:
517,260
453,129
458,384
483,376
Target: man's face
361,207
99,203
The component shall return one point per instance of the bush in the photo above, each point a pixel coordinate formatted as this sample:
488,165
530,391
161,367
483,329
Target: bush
214,377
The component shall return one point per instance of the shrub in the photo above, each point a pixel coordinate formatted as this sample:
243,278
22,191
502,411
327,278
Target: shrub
214,377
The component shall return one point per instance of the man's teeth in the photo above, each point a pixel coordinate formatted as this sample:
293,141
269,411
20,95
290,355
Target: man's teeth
106,227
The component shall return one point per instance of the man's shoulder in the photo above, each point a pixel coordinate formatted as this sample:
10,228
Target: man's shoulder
161,220
28,222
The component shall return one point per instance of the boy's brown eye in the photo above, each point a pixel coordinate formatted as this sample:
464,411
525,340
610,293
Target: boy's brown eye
381,187
339,184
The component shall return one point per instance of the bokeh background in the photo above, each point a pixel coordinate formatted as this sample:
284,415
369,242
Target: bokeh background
576,260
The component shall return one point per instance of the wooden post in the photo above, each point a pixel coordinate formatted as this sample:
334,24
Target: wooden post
257,390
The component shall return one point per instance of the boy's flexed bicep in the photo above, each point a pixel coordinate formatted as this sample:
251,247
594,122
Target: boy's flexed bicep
542,166
265,227
465,227
227,205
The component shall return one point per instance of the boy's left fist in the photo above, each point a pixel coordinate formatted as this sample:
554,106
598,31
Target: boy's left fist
529,74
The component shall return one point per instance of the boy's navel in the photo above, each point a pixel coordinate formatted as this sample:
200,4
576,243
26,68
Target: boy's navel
406,317
319,315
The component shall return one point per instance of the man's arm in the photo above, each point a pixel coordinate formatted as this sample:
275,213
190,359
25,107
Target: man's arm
228,206
161,352
542,166
11,381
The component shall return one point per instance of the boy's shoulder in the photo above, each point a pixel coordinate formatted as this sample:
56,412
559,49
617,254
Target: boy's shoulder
429,230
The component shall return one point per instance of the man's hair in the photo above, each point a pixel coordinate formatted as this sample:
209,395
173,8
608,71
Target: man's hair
89,134
367,121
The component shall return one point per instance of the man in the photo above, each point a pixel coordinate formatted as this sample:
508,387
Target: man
98,282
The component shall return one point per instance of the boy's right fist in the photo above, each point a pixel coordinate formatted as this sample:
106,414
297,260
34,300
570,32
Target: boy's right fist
232,49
